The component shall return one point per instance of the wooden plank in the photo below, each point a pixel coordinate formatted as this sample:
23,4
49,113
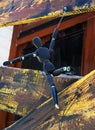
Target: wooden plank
77,109
19,12
21,90
88,59
64,25
2,120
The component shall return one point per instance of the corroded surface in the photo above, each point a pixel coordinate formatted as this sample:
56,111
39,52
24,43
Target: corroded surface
21,90
77,109
17,11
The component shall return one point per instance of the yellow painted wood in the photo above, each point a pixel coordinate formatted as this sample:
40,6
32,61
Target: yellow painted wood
21,90
19,12
77,109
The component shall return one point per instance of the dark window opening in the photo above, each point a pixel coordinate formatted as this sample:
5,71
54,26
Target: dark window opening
67,50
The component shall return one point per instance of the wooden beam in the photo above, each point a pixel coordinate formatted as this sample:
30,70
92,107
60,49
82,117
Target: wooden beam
13,47
22,89
77,109
88,58
3,116
64,25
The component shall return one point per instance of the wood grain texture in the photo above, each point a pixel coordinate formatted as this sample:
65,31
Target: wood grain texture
77,109
21,90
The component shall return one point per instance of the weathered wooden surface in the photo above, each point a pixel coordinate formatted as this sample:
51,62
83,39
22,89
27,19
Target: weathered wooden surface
21,90
13,12
77,109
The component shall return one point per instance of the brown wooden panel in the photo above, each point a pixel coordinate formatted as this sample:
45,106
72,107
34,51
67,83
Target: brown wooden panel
6,119
3,116
64,25
18,43
77,109
14,48
88,56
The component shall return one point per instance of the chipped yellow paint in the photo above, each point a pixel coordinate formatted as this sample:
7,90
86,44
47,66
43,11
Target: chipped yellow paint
83,106
78,83
72,88
10,10
25,70
76,102
38,1
49,16
80,106
8,91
